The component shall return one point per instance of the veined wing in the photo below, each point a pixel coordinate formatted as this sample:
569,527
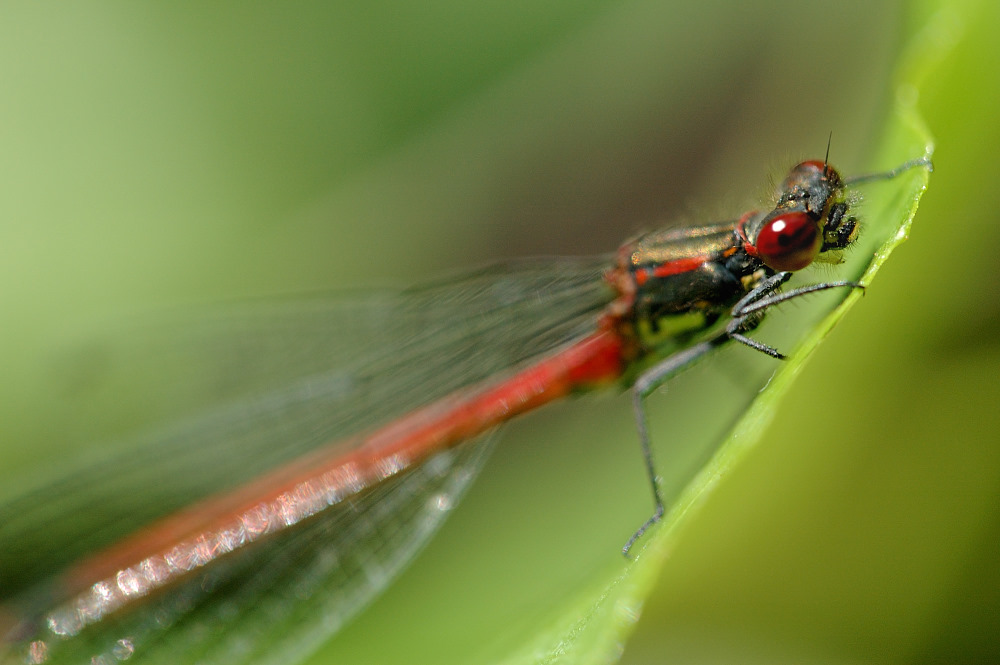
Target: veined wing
245,389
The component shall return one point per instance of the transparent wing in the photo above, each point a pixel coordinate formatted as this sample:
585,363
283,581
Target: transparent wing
229,395
280,599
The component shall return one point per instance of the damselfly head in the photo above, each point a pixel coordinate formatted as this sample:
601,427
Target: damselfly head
809,184
810,221
810,217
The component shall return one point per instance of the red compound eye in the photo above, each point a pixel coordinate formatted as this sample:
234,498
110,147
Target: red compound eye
813,165
789,242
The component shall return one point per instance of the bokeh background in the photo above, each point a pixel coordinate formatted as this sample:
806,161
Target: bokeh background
162,154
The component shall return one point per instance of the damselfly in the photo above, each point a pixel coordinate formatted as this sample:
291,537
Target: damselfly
312,480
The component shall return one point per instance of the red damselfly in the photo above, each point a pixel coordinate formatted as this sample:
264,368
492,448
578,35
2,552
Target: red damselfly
315,478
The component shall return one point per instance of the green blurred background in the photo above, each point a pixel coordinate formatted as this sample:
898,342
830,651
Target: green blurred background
162,154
